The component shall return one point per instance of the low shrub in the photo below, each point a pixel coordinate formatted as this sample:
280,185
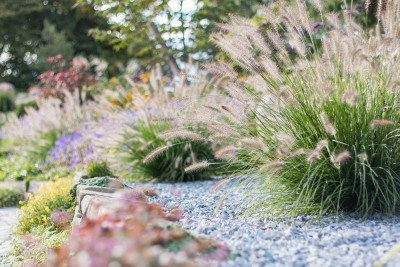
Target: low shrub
7,101
36,211
137,233
33,249
10,195
98,169
21,108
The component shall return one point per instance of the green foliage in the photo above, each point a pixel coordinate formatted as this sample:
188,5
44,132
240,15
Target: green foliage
7,101
98,181
36,210
41,145
17,167
10,195
98,169
169,160
20,109
188,30
55,43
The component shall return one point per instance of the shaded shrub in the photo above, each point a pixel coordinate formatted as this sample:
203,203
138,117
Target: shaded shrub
98,169
10,195
36,211
20,109
7,101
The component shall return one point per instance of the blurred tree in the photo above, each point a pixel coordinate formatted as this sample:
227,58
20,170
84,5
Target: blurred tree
21,26
55,43
165,31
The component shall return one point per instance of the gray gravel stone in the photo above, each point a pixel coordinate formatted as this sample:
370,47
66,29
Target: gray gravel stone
8,219
302,241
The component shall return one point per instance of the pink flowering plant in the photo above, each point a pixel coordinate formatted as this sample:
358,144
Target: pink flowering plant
137,233
63,77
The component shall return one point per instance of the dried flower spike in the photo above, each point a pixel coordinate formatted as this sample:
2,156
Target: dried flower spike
199,166
155,154
341,158
380,123
313,155
328,126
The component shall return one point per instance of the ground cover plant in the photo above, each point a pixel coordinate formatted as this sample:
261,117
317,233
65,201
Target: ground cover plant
317,119
33,249
44,223
38,210
137,233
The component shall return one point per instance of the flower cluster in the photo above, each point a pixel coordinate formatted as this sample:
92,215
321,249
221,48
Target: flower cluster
72,150
38,210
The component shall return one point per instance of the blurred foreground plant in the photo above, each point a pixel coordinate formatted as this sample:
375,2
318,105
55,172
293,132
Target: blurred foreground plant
136,233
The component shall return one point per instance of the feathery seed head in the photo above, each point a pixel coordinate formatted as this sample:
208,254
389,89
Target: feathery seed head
155,154
380,124
321,145
328,125
313,155
196,167
350,98
341,158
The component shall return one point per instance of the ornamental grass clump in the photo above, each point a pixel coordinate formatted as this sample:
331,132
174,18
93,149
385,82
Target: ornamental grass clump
136,135
157,156
317,118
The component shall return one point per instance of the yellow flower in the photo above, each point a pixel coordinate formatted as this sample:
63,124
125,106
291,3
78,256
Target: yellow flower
145,76
113,80
114,101
145,96
31,221
129,96
47,209
44,218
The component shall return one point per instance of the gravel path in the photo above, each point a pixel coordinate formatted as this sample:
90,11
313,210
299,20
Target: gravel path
301,241
8,218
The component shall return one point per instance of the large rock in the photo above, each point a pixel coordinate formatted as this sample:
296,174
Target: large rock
93,201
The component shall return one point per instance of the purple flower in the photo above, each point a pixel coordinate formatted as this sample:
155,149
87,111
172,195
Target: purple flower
317,26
